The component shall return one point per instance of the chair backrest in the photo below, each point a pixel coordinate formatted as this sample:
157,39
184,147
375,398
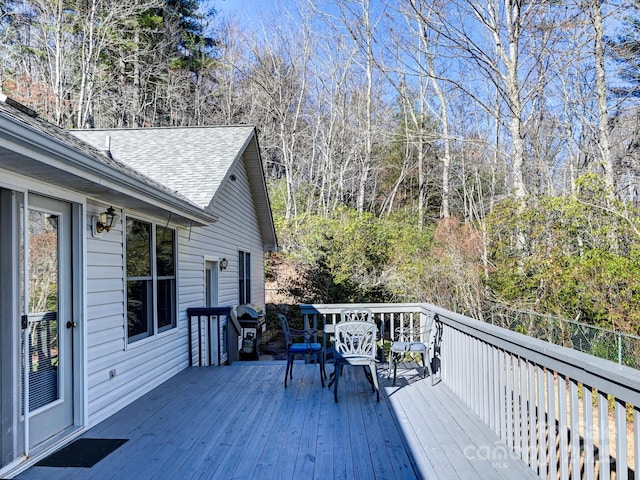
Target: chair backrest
356,314
421,333
285,328
295,335
356,338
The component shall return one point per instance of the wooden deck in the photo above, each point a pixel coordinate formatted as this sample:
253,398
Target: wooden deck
239,422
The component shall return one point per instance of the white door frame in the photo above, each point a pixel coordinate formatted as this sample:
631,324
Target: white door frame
48,379
72,312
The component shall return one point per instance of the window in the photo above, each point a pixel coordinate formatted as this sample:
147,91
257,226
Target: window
244,276
165,256
151,279
139,280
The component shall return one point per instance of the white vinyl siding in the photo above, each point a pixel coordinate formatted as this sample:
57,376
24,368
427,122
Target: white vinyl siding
138,367
143,365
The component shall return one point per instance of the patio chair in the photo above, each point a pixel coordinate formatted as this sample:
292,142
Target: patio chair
350,314
305,347
410,342
363,314
355,344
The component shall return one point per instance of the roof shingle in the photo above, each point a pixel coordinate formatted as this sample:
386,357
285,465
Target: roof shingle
192,161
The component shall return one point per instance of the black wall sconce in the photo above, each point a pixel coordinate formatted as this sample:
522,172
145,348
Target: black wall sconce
224,264
105,222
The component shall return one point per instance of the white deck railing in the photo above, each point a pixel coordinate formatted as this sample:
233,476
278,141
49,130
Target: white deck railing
565,413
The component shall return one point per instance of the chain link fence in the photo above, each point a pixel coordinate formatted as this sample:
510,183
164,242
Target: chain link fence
609,344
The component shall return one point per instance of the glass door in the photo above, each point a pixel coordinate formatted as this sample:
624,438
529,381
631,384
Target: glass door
48,379
211,283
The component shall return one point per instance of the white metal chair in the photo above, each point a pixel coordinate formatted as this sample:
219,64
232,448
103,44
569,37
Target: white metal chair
305,347
413,341
363,314
350,314
355,344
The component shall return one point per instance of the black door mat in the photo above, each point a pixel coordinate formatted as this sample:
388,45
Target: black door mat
84,452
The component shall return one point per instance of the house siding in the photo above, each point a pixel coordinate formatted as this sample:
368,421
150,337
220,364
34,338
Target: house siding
143,365
244,219
139,366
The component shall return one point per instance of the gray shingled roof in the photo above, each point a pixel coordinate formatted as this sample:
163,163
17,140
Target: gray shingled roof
192,161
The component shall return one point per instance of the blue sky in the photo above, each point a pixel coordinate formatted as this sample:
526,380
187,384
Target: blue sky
240,8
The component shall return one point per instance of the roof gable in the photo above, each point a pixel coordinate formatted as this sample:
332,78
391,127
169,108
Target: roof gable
192,161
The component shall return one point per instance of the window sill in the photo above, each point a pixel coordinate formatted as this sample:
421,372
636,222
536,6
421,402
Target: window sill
151,339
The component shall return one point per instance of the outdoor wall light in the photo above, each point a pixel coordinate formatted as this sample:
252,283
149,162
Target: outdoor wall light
105,222
223,264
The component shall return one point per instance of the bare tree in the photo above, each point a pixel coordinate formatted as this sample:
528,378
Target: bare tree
333,136
62,47
353,20
55,42
98,20
421,45
229,74
594,8
279,95
494,40
42,34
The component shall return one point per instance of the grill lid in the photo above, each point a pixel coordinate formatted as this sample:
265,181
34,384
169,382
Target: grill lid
248,311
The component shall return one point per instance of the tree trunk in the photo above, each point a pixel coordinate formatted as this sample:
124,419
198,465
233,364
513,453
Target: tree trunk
601,92
515,103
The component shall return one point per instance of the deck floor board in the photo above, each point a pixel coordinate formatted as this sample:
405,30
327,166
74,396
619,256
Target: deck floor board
240,422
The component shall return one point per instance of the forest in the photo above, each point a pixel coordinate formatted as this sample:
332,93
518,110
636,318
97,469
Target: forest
468,154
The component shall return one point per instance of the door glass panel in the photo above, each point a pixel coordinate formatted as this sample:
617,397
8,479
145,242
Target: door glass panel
44,332
207,285
211,284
